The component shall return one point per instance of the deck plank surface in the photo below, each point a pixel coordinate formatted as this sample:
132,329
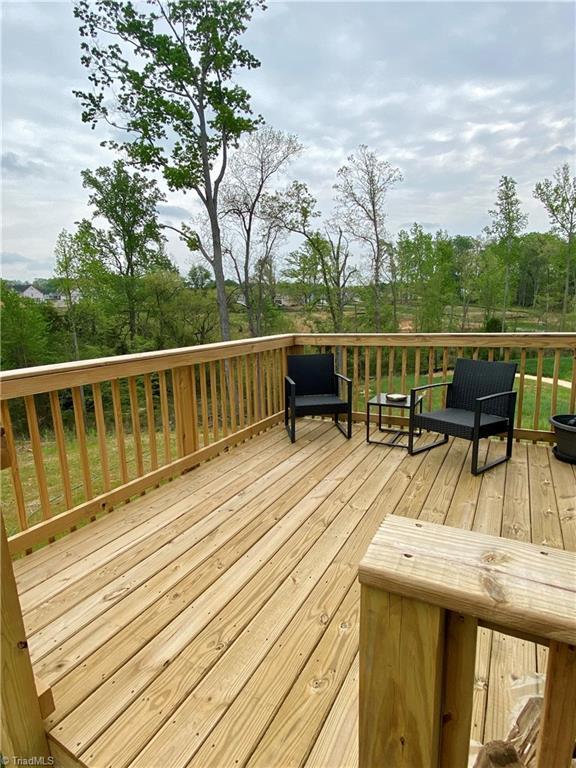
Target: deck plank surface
214,621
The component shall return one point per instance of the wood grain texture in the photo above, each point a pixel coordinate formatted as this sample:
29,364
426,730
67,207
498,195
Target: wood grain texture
512,584
401,646
558,726
22,731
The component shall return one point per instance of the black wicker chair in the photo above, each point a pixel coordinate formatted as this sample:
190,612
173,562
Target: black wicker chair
479,403
311,389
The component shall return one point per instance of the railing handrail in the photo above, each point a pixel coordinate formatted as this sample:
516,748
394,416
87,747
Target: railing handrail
20,382
39,379
548,340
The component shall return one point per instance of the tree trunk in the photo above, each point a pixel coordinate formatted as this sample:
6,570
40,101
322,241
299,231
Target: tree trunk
218,267
506,291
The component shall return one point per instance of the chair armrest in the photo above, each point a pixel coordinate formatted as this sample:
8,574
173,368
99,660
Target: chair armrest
348,385
431,386
414,401
289,386
344,378
478,403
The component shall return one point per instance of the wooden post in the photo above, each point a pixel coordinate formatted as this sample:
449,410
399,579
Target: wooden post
558,726
459,660
23,733
412,576
186,418
400,681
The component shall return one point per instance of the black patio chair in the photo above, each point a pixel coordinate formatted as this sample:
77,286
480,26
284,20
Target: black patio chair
311,389
479,403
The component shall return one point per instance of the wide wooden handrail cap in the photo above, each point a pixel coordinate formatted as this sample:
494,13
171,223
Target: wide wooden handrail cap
520,587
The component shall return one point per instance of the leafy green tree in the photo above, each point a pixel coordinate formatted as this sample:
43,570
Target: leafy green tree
132,242
362,187
169,70
508,221
466,254
24,331
302,268
199,277
559,198
68,255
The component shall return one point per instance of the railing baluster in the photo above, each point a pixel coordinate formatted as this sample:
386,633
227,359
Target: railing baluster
119,428
431,359
444,373
240,382
204,405
269,368
555,377
223,400
61,447
404,367
232,393
417,366
520,400
36,443
136,432
366,375
573,390
165,415
539,367
14,469
378,370
355,379
101,432
214,400
82,445
151,421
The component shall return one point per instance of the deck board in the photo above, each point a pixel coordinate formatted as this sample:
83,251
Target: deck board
214,621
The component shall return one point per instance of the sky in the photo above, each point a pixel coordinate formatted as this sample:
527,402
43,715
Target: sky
455,94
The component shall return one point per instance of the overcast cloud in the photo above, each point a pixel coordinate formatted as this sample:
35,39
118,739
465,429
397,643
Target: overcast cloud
455,94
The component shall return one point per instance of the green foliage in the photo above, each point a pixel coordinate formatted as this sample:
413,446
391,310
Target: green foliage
24,331
168,67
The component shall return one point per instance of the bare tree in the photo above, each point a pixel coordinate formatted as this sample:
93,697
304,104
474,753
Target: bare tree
559,199
252,235
362,187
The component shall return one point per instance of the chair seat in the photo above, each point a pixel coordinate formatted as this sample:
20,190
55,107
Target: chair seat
460,423
319,404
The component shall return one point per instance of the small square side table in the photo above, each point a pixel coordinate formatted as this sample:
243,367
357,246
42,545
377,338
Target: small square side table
381,401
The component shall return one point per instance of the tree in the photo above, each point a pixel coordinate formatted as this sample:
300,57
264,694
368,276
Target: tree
559,198
254,236
508,221
466,272
24,331
295,210
199,277
169,70
132,243
68,266
362,187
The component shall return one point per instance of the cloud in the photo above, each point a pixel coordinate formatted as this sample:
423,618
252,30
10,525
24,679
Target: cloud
174,212
16,165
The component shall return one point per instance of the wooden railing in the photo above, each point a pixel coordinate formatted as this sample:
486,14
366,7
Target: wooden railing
395,362
103,431
82,437
425,590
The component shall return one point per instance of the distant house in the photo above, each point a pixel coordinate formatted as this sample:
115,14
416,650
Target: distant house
283,300
30,292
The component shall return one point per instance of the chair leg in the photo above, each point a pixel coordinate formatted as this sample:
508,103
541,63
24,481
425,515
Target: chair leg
476,470
413,451
290,423
348,431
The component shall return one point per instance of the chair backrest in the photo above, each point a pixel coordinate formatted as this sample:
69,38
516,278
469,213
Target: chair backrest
312,374
477,378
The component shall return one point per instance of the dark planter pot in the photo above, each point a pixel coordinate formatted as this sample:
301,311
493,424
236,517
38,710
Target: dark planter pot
565,429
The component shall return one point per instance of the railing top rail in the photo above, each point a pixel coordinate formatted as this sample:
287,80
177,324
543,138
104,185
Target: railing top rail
512,340
46,378
511,584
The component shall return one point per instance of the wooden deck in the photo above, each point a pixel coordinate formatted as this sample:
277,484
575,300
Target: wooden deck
214,621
